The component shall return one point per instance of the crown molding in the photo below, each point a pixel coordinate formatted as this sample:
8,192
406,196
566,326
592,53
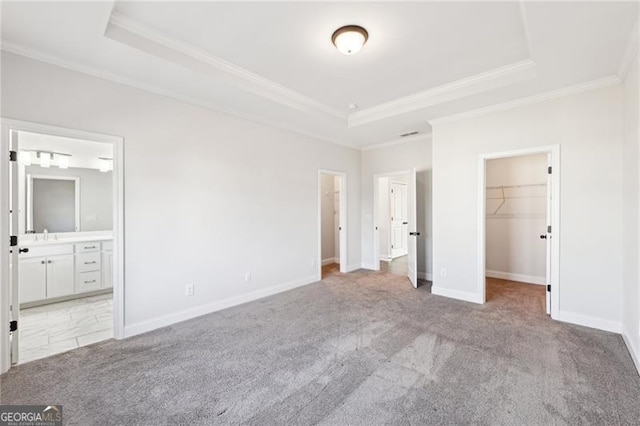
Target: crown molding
478,83
103,75
630,52
396,142
138,36
565,91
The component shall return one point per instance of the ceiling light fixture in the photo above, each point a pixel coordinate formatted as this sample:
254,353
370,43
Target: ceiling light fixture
350,39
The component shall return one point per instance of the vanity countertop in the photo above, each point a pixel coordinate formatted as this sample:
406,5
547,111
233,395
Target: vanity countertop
64,240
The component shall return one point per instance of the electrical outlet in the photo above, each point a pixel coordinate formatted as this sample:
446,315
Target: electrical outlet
443,272
188,289
247,277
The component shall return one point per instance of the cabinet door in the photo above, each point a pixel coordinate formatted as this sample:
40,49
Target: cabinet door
60,276
107,269
33,279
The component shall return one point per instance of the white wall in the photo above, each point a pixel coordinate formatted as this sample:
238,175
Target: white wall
414,154
588,128
631,217
516,216
327,210
208,196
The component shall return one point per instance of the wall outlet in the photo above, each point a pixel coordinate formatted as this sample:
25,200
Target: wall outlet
247,277
443,272
188,289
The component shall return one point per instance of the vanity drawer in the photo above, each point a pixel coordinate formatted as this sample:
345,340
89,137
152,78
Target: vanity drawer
88,262
88,281
47,250
88,247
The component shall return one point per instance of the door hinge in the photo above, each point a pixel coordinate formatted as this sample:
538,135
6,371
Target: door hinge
549,287
391,245
392,191
549,169
13,156
13,241
548,229
13,326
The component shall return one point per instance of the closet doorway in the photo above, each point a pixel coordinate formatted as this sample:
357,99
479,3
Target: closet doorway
519,214
332,204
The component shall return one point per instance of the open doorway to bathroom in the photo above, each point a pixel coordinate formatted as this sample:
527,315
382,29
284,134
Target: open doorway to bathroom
65,209
65,216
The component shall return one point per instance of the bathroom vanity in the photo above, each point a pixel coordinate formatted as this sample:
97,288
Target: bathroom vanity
66,268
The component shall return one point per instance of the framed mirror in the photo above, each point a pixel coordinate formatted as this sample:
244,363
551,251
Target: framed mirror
53,203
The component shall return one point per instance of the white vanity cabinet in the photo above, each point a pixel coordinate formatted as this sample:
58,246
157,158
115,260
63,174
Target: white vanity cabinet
59,270
107,264
46,272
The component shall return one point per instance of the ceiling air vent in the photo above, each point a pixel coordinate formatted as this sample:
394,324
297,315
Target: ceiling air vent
404,135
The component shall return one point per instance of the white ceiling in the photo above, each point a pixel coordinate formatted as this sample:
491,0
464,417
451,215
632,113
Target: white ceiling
274,62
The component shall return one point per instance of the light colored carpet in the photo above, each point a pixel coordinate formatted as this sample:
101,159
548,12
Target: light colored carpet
362,348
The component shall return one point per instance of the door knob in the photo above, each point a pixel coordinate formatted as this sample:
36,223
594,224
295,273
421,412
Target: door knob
415,234
405,223
543,236
23,250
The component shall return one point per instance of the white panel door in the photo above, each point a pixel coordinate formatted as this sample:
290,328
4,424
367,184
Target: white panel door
60,276
399,219
14,262
412,245
548,236
33,279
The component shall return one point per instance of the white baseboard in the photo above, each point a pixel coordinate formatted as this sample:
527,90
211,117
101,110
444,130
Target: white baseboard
369,266
633,350
425,276
384,258
330,260
588,321
356,266
530,279
457,294
155,323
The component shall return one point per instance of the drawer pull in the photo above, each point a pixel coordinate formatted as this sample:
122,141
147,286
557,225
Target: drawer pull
90,263
87,248
42,262
89,282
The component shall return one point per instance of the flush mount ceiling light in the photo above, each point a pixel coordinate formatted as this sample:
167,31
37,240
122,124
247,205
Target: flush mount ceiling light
350,39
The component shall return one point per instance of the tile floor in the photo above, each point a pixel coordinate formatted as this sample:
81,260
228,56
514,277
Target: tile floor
50,329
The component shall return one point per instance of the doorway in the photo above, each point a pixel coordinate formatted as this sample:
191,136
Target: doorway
395,224
519,205
332,205
64,284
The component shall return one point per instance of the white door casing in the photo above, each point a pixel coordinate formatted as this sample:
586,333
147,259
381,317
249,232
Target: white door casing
412,244
548,236
14,307
341,216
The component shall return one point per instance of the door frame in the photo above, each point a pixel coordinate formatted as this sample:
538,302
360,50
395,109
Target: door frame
8,124
344,267
554,152
376,232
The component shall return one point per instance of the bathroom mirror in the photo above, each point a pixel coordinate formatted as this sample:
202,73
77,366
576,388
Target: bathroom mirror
53,203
